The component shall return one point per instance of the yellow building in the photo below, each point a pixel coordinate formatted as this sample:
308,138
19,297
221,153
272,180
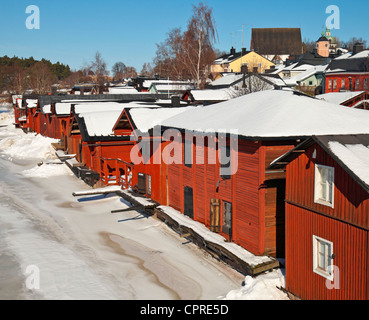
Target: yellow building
233,61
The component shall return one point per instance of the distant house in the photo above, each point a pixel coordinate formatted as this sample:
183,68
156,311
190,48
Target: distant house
84,89
233,61
349,71
208,96
327,217
308,81
170,87
276,44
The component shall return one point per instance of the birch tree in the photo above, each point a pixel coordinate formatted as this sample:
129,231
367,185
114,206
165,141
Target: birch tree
185,55
198,40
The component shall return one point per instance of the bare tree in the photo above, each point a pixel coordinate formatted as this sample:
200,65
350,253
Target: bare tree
40,78
147,70
185,55
349,45
118,70
98,66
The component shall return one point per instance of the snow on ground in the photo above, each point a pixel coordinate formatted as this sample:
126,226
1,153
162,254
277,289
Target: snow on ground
83,251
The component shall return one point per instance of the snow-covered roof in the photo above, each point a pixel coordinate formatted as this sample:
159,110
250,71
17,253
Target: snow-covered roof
46,108
98,107
227,80
304,74
62,108
213,94
274,114
147,118
122,90
354,156
31,103
362,54
339,97
100,123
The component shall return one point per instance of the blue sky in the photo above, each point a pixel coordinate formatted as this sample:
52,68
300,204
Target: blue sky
72,31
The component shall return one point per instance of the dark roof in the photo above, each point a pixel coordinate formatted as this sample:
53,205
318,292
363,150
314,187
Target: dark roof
147,97
233,55
350,64
322,38
276,40
313,59
323,141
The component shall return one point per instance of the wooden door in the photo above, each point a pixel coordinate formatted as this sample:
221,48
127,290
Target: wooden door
215,215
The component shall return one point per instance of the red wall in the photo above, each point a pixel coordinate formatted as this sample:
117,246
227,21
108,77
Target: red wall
346,76
346,225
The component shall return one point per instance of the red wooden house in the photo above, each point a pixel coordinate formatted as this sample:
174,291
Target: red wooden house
327,217
348,72
149,171
247,207
103,139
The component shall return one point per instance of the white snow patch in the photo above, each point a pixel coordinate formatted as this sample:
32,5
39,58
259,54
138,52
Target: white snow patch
263,287
23,146
354,156
47,171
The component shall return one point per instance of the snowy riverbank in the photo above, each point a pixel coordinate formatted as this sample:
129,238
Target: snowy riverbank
82,251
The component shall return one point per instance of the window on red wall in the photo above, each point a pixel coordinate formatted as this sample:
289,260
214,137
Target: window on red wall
335,84
343,84
365,84
330,84
357,84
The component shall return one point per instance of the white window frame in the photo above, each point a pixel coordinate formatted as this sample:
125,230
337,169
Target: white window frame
317,183
329,84
326,272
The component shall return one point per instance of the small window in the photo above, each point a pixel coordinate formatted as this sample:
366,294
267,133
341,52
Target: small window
343,84
330,84
365,84
357,84
335,84
324,185
323,257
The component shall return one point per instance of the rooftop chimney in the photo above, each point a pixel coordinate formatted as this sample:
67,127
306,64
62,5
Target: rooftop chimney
243,51
233,51
358,47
